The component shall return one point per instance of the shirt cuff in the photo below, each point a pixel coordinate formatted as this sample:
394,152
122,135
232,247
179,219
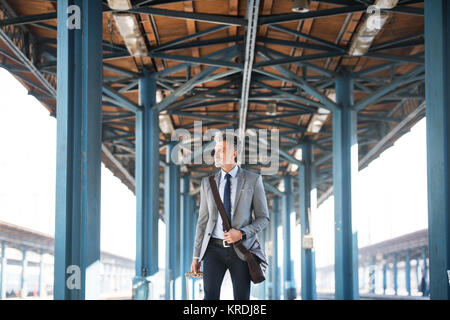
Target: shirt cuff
196,257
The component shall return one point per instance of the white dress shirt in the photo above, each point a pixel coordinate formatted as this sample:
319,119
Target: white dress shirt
218,228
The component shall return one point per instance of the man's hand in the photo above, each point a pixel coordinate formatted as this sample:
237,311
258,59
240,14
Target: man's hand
233,235
195,266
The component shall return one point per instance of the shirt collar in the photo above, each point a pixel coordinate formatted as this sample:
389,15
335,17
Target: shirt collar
233,172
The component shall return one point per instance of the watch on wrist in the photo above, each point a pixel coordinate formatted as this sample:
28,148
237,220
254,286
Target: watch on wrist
244,236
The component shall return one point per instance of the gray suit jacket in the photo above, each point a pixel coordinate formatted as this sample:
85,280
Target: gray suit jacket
250,196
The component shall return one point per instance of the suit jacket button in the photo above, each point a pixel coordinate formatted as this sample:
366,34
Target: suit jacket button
209,234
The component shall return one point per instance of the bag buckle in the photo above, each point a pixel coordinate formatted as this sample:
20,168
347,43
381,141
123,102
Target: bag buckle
225,244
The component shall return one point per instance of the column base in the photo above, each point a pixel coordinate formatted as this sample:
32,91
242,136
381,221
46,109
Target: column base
290,293
141,288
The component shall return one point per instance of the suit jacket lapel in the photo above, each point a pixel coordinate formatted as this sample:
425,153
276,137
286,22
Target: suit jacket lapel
217,179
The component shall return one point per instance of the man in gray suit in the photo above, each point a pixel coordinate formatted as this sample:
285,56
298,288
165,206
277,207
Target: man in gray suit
241,192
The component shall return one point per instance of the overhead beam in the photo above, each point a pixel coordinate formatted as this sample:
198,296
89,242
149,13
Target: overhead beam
121,99
171,44
204,17
411,76
35,18
182,66
288,17
195,60
20,55
250,42
180,91
300,34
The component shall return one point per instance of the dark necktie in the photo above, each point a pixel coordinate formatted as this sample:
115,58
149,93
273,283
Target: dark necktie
227,199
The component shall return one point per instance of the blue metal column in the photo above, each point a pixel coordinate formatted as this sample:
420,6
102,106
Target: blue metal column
147,187
345,168
437,62
290,292
171,215
266,246
186,217
23,273
274,229
177,267
191,252
269,290
307,199
3,272
193,226
78,163
264,241
355,266
385,270
395,273
373,271
424,260
408,272
41,275
418,278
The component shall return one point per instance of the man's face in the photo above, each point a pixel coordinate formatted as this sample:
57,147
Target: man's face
224,154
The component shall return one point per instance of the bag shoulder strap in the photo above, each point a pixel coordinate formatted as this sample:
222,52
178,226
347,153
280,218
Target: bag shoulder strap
219,202
223,214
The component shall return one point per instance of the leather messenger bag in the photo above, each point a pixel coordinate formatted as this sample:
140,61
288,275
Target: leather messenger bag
255,257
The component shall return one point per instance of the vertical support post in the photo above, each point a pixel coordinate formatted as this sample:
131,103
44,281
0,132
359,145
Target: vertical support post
373,272
408,272
264,240
178,226
384,277
437,62
395,273
23,274
308,204
269,290
3,272
185,235
171,213
345,168
191,253
355,266
274,229
147,187
193,225
78,163
41,286
290,292
418,278
424,260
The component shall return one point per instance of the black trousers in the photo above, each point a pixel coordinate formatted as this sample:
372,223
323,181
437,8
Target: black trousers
216,261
